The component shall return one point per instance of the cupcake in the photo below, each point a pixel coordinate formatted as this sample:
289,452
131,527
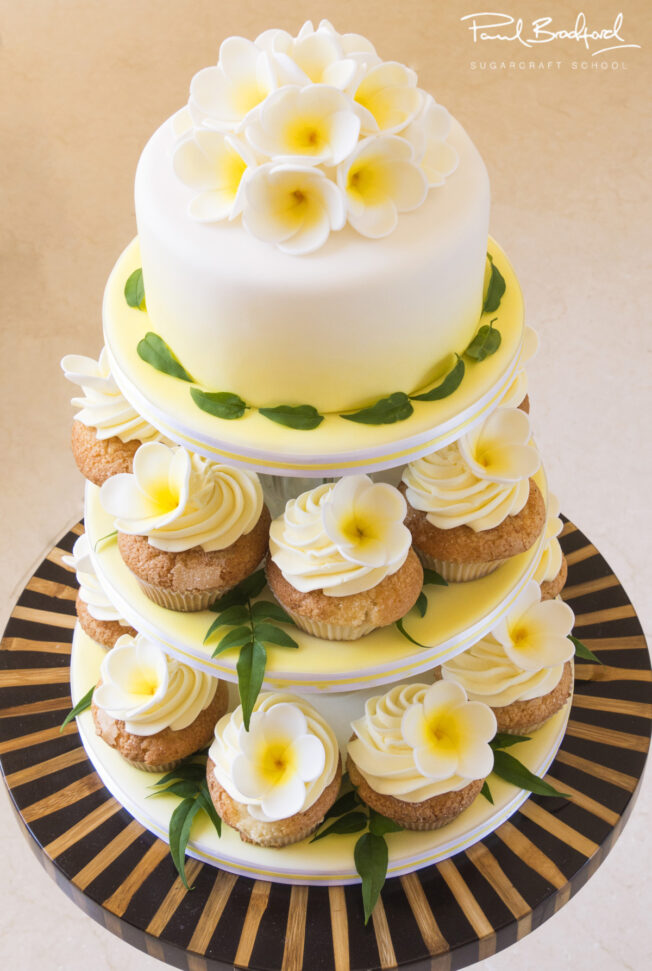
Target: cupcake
340,560
552,572
523,669
153,710
516,395
97,616
421,753
473,504
107,431
275,782
189,529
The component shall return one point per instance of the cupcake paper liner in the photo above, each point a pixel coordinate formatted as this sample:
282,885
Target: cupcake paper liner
331,632
459,572
162,767
187,602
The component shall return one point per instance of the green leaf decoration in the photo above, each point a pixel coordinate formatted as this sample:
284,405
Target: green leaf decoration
379,825
486,792
432,577
395,408
511,770
351,823
401,628
156,352
344,804
236,614
371,857
266,610
301,417
135,290
421,604
268,634
221,404
503,740
495,291
451,383
485,343
182,788
81,705
582,651
204,797
248,588
114,532
179,834
237,637
251,671
187,770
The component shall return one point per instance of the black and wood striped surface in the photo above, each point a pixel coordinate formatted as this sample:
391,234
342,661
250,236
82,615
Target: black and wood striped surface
444,917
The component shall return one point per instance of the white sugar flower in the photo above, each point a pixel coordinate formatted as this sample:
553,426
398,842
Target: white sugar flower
380,180
498,449
314,125
365,521
534,633
215,164
294,206
278,757
154,494
135,677
449,734
222,96
388,97
427,134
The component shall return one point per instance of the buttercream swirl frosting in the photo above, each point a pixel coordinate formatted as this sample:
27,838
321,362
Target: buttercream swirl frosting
149,691
480,479
551,557
180,500
91,590
522,658
418,741
282,764
341,538
103,406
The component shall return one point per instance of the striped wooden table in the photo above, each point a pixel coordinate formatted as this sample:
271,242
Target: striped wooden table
444,917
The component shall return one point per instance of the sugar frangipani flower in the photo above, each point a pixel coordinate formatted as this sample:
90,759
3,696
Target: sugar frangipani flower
365,521
314,125
293,206
223,95
380,180
154,494
278,757
135,677
450,735
498,449
388,98
427,134
215,164
534,633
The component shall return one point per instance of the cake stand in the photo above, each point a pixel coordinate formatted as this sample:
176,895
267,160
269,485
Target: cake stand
447,915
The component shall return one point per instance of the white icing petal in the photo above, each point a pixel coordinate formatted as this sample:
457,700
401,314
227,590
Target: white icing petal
150,691
551,556
534,634
91,590
180,501
282,764
389,93
222,96
497,449
215,164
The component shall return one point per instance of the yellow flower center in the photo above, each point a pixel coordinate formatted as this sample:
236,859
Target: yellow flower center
164,495
247,96
230,171
143,681
442,732
275,761
358,530
520,635
368,181
305,137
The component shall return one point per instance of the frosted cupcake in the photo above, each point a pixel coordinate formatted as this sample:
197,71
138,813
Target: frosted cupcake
189,529
275,782
552,572
523,669
516,395
97,615
473,504
153,710
421,753
340,560
106,430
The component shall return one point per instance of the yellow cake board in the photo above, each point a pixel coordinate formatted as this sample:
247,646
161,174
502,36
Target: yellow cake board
458,615
329,861
336,446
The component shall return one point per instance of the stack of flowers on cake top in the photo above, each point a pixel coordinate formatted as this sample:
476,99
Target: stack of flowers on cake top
301,134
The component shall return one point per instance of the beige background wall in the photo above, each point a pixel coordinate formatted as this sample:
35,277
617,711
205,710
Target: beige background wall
83,84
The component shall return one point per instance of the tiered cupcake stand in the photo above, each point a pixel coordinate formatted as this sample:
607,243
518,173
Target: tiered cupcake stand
460,893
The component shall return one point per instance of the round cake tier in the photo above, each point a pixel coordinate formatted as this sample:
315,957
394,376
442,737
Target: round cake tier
326,862
458,615
256,440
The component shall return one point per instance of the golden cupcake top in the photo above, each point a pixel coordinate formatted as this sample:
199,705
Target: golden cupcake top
341,538
282,765
150,691
418,741
179,500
